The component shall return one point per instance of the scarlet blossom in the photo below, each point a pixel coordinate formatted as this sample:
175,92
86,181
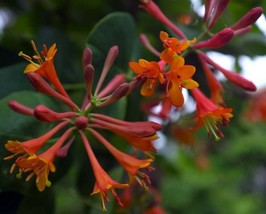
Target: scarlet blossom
210,115
149,70
44,65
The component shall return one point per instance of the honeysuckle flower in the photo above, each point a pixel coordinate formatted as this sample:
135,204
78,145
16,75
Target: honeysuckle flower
177,46
44,65
131,164
156,12
151,71
232,76
30,147
210,115
218,40
80,121
104,182
41,165
215,86
179,76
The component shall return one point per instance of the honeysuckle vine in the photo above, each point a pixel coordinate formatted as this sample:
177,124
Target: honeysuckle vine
164,79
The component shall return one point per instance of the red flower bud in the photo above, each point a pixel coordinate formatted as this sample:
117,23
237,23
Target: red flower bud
209,4
41,85
120,92
233,77
248,19
86,57
43,113
20,108
81,122
218,9
218,40
156,12
109,61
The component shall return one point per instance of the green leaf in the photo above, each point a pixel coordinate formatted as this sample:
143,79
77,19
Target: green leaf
37,202
114,29
12,79
21,126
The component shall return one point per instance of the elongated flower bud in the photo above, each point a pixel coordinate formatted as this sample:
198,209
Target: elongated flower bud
156,12
218,40
248,19
120,92
233,77
86,57
117,80
20,108
145,41
88,73
209,4
41,85
109,61
43,113
219,8
242,31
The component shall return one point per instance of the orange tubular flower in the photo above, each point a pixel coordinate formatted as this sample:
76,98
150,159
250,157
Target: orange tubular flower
44,65
103,181
131,164
179,77
210,114
30,147
177,46
149,70
40,165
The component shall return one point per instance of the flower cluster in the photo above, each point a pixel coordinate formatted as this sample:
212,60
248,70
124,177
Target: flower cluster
170,72
209,111
33,159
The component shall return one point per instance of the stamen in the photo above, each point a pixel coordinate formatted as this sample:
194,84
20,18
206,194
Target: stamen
36,51
103,197
30,176
25,56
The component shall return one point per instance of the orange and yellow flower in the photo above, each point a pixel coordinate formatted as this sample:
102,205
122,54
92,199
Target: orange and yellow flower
179,76
39,166
175,45
104,182
149,70
44,65
210,115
